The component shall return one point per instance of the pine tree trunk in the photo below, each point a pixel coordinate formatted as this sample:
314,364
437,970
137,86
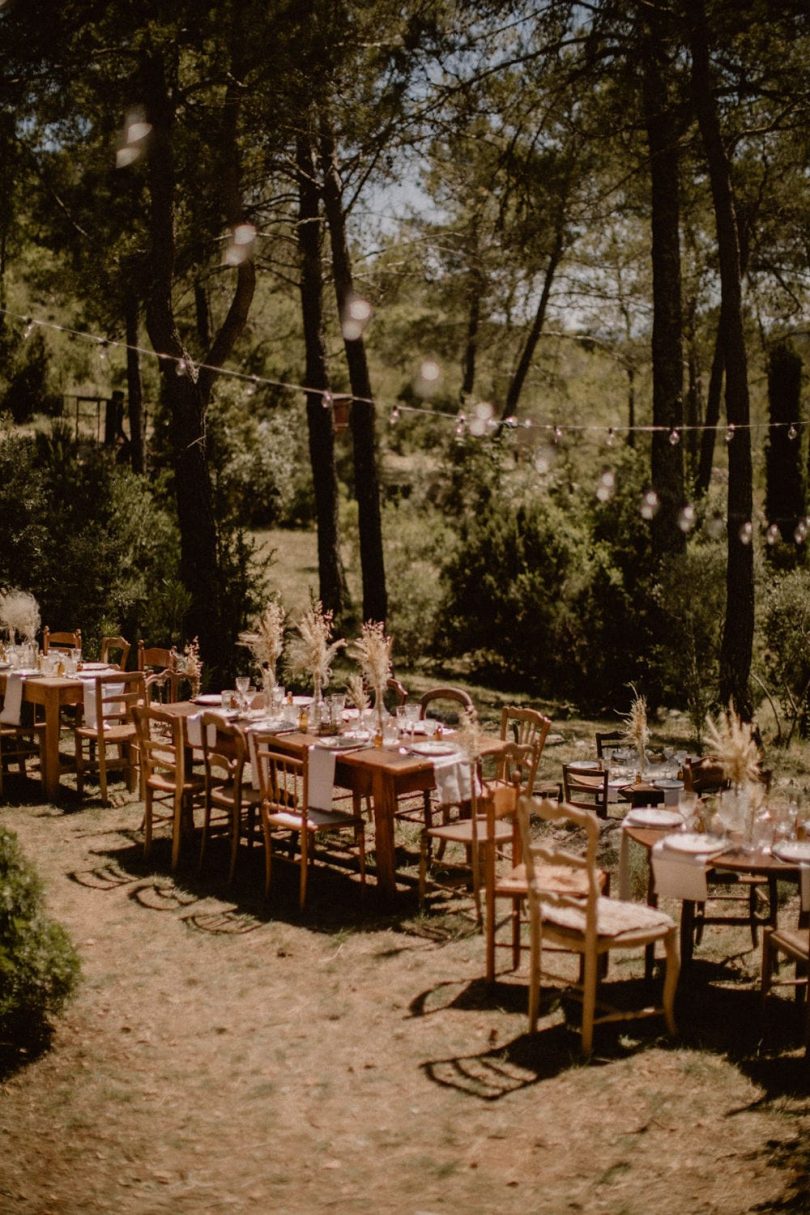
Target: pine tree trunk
784,483
533,336
667,332
134,388
738,630
331,578
366,481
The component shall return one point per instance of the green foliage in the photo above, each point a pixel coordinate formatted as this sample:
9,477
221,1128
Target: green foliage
418,540
258,460
28,390
87,539
786,660
39,967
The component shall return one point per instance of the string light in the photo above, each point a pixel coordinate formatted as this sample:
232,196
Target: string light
792,431
730,432
674,437
746,532
800,532
461,426
30,325
326,400
393,417
650,504
558,433
610,441
772,534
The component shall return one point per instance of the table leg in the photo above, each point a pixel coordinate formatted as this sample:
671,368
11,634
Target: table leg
687,931
385,803
50,759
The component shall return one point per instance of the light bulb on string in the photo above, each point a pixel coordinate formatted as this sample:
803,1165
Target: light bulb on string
252,385
393,416
103,351
686,518
792,431
674,436
610,441
772,534
182,367
606,485
557,434
746,532
30,325
326,400
715,524
461,426
650,504
730,432
510,423
356,317
800,532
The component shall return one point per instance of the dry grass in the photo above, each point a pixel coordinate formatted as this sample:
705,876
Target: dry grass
224,1056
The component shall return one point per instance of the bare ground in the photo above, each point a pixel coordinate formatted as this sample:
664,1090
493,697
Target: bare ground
224,1056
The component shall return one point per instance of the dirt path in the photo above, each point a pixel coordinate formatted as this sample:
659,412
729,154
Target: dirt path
219,1060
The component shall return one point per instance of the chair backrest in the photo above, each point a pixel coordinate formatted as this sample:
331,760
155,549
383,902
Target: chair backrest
526,727
224,752
117,695
162,662
161,743
704,775
282,780
115,652
63,642
437,700
396,693
546,850
586,790
608,741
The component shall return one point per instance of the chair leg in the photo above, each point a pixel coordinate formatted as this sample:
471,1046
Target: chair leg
671,979
767,962
589,1001
360,840
304,861
236,831
423,848
535,959
147,822
204,834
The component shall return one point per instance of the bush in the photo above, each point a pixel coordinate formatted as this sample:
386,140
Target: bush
417,540
39,968
786,660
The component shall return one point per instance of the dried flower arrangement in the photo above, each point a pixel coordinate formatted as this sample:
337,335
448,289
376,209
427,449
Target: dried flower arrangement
468,736
190,664
312,652
732,741
356,692
19,613
372,650
266,640
636,729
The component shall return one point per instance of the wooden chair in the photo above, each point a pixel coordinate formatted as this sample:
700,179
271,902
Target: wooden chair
608,741
158,660
586,790
591,925
704,776
169,788
108,721
224,755
20,738
115,652
285,808
65,642
794,943
490,824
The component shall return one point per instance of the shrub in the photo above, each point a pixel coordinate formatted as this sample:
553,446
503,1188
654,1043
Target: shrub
786,660
418,539
39,967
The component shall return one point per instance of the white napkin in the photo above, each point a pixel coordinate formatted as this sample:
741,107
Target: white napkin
10,713
194,731
679,875
111,709
321,777
452,774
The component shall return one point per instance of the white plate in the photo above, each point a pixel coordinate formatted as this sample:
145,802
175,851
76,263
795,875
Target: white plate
585,765
432,748
653,816
274,725
97,666
694,844
209,698
793,852
357,736
28,672
666,783
339,743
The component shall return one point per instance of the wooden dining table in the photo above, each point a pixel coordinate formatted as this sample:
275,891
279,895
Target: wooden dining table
382,774
50,693
760,864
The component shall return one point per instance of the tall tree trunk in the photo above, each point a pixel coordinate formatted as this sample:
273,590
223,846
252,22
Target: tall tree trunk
667,336
331,578
134,388
471,345
784,483
738,630
712,418
536,329
366,481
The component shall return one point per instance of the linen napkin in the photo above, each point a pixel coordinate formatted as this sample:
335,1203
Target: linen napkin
10,713
630,820
194,731
321,777
111,709
679,875
452,775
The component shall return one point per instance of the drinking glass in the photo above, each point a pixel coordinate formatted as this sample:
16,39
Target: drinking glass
243,687
412,712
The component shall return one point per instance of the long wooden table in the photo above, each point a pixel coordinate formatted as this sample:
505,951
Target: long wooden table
50,692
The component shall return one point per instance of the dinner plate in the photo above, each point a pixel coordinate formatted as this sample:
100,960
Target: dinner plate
274,725
793,852
97,666
28,672
653,816
208,698
585,765
693,843
339,743
432,748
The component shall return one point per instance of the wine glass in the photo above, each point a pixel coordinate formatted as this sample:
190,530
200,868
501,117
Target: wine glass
243,687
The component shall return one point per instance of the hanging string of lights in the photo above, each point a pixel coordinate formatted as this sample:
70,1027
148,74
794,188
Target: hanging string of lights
476,420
